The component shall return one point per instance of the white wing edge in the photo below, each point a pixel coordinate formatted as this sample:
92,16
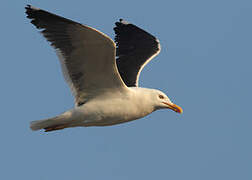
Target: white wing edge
147,61
65,72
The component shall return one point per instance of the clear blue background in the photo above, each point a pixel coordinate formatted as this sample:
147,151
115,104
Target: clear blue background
204,66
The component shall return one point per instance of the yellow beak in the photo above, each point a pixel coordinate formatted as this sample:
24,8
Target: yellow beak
174,107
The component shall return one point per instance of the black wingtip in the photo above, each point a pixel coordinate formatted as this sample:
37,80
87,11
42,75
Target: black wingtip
30,11
29,7
31,14
122,22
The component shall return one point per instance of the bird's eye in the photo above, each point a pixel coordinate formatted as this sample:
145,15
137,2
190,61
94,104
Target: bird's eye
161,96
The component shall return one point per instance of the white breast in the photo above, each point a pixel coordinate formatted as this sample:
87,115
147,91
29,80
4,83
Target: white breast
113,108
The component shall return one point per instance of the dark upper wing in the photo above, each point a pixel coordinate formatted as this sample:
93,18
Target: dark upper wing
87,56
135,48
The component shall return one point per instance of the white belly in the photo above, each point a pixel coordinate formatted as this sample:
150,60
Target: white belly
108,112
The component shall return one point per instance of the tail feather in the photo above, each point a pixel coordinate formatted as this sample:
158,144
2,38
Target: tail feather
45,123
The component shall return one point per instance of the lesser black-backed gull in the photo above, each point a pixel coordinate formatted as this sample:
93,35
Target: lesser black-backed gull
102,74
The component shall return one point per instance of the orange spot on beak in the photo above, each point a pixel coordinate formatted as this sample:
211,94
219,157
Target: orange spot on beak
174,107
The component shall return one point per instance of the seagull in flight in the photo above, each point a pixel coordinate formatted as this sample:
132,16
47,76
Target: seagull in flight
102,74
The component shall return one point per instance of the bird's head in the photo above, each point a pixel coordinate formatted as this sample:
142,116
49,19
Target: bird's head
161,101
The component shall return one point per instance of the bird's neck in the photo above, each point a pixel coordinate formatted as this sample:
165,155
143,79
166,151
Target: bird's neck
142,100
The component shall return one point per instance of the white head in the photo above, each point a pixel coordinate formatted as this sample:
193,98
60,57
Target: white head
160,100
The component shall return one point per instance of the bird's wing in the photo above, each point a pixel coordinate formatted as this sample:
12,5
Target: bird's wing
135,48
87,56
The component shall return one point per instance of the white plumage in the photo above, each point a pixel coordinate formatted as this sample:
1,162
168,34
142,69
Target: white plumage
103,75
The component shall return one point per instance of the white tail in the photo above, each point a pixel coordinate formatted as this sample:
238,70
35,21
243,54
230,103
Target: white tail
42,124
59,122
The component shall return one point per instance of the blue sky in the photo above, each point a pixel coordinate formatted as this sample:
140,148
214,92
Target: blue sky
204,66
